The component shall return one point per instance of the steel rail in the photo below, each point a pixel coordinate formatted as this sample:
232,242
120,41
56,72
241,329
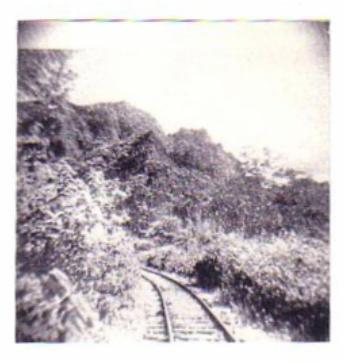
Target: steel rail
218,323
167,321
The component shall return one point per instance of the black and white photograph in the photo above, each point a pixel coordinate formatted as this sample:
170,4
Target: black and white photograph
172,181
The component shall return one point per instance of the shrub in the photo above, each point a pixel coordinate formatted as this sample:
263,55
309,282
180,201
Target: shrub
208,272
73,225
280,282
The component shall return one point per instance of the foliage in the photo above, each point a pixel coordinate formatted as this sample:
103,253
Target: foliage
89,174
194,149
282,280
244,205
277,281
304,207
185,249
244,200
183,174
164,230
73,225
208,272
43,74
251,205
48,309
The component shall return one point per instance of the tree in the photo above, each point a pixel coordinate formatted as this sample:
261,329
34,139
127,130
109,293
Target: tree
43,75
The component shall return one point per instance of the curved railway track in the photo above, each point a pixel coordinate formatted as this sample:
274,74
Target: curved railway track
178,314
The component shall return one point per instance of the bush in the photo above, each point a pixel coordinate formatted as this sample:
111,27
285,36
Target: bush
73,225
165,230
208,272
280,282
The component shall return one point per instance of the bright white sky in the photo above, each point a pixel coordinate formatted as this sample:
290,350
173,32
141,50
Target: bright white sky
251,85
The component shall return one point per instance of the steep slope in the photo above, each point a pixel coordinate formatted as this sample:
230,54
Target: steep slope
184,174
173,174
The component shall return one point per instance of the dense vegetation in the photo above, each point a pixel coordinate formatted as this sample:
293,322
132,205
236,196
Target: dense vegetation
99,184
283,283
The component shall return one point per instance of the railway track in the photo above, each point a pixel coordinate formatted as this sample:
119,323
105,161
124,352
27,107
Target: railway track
178,314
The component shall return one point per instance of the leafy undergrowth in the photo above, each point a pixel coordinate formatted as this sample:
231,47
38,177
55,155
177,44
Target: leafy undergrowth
71,224
279,282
